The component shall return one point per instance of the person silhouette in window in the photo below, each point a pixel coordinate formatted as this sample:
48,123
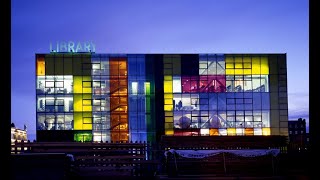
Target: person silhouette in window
46,125
72,124
180,105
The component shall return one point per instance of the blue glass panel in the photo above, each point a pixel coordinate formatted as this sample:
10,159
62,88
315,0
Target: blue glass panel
256,101
247,106
137,100
213,103
239,95
222,101
265,99
247,95
240,107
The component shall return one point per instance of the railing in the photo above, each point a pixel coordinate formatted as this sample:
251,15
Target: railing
224,164
100,159
144,159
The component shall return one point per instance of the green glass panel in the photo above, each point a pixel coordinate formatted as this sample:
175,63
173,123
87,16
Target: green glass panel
84,137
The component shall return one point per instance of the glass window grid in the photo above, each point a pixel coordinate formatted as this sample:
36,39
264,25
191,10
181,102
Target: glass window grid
244,100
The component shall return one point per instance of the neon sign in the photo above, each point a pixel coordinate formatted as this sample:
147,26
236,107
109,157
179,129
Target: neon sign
71,46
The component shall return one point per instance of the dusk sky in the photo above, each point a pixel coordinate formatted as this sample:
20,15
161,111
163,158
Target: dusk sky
166,26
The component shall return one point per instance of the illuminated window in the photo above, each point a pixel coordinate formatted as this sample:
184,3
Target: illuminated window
147,88
204,132
222,132
266,131
240,131
40,66
59,84
176,84
49,84
257,131
134,88
95,66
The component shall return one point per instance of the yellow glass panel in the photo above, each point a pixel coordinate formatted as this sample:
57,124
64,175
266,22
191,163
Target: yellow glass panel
86,96
168,132
238,60
168,107
168,96
168,113
238,65
87,108
264,65
238,71
168,119
229,71
246,60
168,101
248,132
77,116
266,131
87,114
87,90
168,78
87,120
247,65
86,78
214,132
167,86
229,59
86,102
87,126
229,65
77,84
86,84
231,131
168,126
247,71
77,102
40,67
256,65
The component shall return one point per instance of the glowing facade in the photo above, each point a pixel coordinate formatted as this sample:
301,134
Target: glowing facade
140,97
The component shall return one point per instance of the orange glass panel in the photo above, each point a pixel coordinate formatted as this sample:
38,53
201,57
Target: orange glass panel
248,132
118,99
214,132
41,66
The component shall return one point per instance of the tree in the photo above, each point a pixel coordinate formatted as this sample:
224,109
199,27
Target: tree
12,125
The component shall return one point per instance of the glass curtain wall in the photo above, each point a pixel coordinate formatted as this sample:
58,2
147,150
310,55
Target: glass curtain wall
230,96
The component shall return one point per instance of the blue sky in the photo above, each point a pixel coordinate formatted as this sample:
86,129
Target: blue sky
166,26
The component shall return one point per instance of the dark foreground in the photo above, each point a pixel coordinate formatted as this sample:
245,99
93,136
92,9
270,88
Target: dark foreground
59,166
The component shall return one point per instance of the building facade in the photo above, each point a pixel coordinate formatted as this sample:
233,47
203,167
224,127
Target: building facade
18,135
297,132
141,97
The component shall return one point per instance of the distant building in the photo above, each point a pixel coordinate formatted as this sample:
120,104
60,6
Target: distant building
18,134
297,132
